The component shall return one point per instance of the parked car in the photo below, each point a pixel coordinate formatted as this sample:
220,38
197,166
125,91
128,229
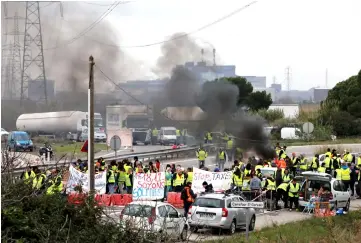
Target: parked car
214,211
338,196
19,140
155,217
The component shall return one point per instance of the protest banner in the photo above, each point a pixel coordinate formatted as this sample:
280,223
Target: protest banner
219,180
148,186
77,178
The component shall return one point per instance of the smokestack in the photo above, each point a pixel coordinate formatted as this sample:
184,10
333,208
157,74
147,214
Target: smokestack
202,55
214,57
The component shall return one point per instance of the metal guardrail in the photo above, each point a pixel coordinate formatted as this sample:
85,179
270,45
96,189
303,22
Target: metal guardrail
146,156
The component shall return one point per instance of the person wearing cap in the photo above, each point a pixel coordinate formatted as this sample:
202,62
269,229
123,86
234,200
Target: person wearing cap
188,197
293,196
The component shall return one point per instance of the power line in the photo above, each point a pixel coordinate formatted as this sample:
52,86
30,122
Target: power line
183,35
105,5
89,28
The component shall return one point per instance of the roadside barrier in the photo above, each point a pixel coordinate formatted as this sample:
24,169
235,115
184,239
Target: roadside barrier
102,199
174,198
121,199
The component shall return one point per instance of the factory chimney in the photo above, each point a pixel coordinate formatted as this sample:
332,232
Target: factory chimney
202,55
214,57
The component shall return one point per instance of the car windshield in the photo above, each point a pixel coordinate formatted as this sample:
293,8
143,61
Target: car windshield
21,136
169,132
208,203
137,210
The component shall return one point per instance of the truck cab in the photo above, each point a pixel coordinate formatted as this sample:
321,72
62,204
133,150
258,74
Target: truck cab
140,127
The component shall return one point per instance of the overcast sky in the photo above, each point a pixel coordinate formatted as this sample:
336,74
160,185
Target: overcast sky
261,40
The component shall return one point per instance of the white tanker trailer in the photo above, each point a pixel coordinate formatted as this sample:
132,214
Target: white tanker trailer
64,123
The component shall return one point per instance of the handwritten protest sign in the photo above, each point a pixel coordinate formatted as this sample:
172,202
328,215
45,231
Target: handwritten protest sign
77,178
148,186
219,180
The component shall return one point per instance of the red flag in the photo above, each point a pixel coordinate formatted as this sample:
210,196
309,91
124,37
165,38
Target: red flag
84,148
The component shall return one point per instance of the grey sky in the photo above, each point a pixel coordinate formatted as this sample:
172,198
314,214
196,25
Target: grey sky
308,35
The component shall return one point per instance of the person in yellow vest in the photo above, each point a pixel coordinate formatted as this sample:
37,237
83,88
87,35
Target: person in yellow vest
328,163
225,137
209,137
29,175
55,183
230,150
295,163
293,193
239,153
345,175
168,181
121,178
237,179
246,187
221,158
154,136
178,180
282,194
201,156
129,180
189,175
112,179
322,169
178,136
259,165
286,178
270,186
358,163
39,180
347,157
314,163
328,152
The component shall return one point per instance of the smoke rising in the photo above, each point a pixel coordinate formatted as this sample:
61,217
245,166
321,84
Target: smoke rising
218,99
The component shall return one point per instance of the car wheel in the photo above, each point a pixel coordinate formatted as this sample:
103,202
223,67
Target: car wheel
347,206
252,223
232,228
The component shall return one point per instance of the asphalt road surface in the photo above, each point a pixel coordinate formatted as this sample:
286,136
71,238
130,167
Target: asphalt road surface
264,219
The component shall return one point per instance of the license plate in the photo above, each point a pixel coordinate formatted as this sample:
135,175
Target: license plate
206,215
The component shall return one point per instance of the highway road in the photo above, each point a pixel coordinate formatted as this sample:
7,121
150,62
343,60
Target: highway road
263,220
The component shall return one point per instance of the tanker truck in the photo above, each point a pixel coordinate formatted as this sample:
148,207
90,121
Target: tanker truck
65,124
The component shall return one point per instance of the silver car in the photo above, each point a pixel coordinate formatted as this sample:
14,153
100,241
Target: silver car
214,211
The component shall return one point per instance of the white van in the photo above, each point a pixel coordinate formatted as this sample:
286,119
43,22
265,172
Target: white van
167,135
339,197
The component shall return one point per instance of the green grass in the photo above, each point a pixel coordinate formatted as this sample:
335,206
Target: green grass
74,148
301,143
346,228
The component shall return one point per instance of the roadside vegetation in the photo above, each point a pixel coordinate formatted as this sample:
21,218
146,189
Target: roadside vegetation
346,228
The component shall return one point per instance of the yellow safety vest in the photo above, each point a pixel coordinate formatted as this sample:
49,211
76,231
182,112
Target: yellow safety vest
111,178
294,162
229,144
155,132
258,167
345,174
349,158
122,176
202,155
29,178
293,192
126,168
247,172
209,136
358,161
303,165
190,177
286,178
271,185
237,180
327,162
38,181
177,132
127,180
314,163
338,174
321,169
179,180
53,188
283,186
221,155
328,153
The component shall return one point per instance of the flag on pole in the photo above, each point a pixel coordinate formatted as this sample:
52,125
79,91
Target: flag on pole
84,148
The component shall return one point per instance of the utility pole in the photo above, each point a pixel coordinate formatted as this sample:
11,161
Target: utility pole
91,126
288,78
